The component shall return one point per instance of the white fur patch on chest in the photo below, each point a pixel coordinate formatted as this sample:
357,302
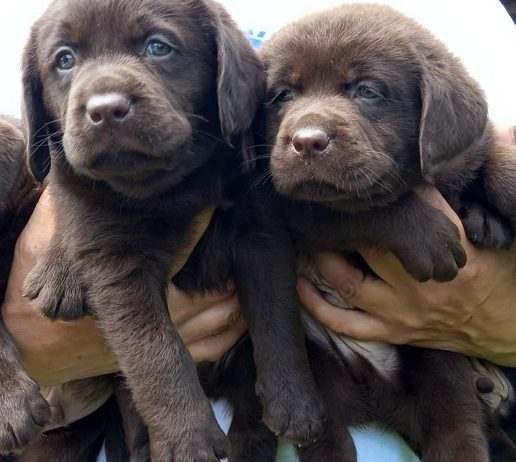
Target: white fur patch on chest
382,356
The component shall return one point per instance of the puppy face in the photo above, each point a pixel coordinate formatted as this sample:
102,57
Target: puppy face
13,173
347,100
129,90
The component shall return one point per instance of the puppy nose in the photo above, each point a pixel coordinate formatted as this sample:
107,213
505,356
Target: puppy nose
310,141
108,108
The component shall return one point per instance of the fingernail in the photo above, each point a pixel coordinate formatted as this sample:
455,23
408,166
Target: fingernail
305,284
230,321
232,318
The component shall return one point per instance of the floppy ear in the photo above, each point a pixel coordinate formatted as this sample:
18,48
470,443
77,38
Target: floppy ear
453,113
240,80
35,117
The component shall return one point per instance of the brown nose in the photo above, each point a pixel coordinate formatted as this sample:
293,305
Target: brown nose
310,141
107,109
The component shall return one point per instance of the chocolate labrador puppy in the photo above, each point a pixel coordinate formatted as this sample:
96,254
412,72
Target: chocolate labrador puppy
23,410
135,105
364,105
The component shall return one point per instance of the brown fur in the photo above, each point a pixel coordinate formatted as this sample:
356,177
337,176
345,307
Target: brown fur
137,148
429,396
365,104
24,411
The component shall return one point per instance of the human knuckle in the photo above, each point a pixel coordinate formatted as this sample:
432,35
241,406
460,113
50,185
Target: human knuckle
470,273
347,289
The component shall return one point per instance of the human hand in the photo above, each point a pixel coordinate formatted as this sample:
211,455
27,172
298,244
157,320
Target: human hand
507,134
474,314
56,352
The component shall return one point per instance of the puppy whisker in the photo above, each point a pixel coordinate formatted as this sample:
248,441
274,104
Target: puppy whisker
262,179
378,180
196,116
246,162
262,146
46,125
210,135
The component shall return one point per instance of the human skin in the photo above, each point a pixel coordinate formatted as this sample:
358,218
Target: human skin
474,314
56,352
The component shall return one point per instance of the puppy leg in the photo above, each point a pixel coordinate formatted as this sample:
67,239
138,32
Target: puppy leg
483,223
23,411
501,448
264,264
81,441
56,285
484,226
157,366
135,432
499,180
344,407
448,416
250,440
427,243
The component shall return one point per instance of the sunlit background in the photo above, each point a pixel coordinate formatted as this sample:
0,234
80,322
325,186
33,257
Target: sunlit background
484,39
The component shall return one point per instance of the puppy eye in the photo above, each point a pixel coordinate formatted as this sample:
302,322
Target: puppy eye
363,91
65,60
158,49
283,97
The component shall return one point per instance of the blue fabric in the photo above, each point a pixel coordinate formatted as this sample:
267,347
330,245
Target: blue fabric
372,444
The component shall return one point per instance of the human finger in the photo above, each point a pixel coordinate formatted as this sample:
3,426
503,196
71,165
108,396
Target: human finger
507,133
37,232
216,318
356,323
356,287
183,306
213,347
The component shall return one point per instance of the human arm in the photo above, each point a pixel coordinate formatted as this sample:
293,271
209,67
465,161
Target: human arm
57,352
473,314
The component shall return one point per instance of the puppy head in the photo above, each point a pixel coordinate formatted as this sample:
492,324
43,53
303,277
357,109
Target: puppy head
134,93
363,102
13,173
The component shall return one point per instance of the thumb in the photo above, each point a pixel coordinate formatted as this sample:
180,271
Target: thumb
365,291
351,323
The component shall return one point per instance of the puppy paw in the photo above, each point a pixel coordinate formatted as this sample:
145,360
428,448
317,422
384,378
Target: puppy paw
433,250
292,410
336,446
485,227
56,287
204,442
251,442
23,413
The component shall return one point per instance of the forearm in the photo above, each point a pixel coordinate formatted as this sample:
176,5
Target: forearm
56,352
473,314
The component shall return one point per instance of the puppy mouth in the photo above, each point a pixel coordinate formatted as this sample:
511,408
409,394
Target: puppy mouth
316,191
128,165
132,173
307,183
145,183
